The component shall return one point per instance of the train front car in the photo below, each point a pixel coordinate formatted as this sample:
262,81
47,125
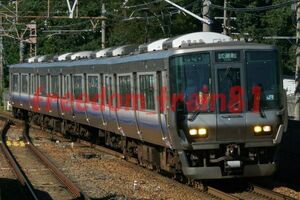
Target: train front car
228,108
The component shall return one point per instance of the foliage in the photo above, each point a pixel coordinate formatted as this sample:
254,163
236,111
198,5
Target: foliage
127,24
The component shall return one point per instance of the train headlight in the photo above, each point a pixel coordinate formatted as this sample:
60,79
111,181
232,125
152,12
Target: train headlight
258,129
262,130
193,132
267,129
202,132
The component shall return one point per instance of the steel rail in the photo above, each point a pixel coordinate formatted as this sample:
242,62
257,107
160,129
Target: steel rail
220,194
269,193
72,188
22,178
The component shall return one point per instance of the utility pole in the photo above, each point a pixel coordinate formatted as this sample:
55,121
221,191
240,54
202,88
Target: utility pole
225,19
48,10
77,9
32,39
17,11
21,51
205,14
1,55
103,26
297,75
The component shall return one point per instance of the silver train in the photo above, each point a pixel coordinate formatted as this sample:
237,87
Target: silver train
200,104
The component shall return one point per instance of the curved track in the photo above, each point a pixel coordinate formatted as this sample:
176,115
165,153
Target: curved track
14,164
31,192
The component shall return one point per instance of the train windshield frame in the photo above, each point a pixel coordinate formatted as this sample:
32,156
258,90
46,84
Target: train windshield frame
262,72
190,78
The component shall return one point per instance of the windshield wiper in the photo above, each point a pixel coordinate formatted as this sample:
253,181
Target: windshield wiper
194,115
261,109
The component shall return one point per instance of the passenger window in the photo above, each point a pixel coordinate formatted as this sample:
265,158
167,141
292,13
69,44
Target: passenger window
15,83
24,83
146,83
125,91
93,84
54,85
77,84
43,85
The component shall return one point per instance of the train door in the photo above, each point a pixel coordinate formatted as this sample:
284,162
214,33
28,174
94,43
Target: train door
93,106
53,95
230,102
162,107
126,112
66,98
32,90
24,95
15,89
107,91
148,113
79,107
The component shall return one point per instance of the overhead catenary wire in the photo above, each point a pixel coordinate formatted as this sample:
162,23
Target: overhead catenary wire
255,9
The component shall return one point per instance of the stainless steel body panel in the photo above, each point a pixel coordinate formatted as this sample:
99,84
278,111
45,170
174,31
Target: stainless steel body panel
160,126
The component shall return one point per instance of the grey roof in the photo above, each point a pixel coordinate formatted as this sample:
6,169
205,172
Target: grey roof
146,56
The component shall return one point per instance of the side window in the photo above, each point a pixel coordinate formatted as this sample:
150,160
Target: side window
43,85
108,89
77,85
24,78
92,85
146,83
54,85
15,83
125,91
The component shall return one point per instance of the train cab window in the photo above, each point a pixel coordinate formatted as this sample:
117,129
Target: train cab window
125,91
258,65
190,82
15,83
24,81
43,85
77,85
146,84
54,85
93,88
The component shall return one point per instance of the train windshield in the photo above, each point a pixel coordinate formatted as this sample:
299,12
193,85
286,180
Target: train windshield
262,79
190,81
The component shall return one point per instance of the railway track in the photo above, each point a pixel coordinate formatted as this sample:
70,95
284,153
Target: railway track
210,191
268,194
248,190
45,176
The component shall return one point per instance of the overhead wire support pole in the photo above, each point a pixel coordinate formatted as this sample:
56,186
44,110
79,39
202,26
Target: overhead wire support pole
17,11
48,9
103,27
225,19
297,73
206,21
205,14
1,55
